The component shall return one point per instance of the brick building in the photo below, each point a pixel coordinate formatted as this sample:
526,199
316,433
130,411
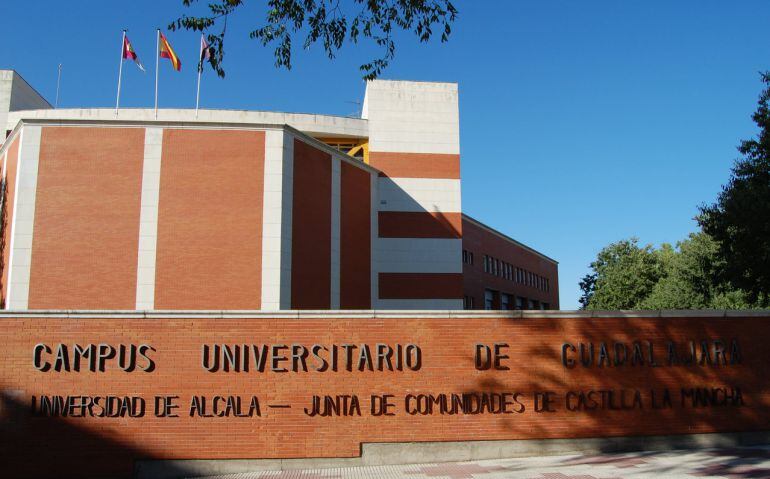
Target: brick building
251,210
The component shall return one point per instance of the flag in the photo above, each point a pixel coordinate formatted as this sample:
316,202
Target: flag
128,52
205,52
167,52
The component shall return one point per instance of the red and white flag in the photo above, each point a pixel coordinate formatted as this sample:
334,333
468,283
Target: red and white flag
128,52
205,52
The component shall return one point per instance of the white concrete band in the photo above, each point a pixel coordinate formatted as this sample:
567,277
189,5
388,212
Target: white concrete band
148,219
419,255
412,117
335,231
419,195
20,259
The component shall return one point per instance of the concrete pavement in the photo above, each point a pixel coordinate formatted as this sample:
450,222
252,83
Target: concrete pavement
732,463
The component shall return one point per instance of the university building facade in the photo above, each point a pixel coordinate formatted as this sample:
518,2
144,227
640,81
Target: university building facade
248,210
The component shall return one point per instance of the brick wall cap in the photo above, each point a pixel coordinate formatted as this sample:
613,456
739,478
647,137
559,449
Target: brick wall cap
379,314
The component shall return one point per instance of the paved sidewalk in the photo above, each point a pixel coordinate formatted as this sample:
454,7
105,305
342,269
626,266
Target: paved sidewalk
737,463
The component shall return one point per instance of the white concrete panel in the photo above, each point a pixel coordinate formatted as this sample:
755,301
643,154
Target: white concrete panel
419,194
24,97
419,255
412,117
148,219
20,258
335,232
16,94
286,219
271,220
426,304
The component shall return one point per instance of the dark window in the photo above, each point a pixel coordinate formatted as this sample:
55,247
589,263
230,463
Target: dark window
505,301
520,302
468,302
489,299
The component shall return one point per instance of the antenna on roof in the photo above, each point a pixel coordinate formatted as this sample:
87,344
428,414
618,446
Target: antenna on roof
58,81
357,112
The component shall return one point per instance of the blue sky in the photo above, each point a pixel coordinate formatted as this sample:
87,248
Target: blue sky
582,121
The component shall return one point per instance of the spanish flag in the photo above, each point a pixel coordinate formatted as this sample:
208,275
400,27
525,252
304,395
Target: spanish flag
167,52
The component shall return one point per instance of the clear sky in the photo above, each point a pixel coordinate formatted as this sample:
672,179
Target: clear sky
582,121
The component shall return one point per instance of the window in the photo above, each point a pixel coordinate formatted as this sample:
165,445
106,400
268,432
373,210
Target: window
546,306
520,302
468,302
486,264
489,299
505,301
470,257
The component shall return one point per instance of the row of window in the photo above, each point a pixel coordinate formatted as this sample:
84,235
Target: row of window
505,270
507,301
467,257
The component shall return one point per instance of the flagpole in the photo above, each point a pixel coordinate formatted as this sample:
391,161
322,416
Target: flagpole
200,70
58,82
120,71
157,59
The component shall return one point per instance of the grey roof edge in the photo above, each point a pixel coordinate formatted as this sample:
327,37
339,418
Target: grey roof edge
380,314
508,238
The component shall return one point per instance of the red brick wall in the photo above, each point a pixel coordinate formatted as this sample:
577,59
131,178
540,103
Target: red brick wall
12,165
209,249
481,242
420,285
79,447
355,238
311,228
416,165
419,224
86,229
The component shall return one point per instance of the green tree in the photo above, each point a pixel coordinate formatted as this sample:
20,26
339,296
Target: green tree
627,276
624,275
330,22
691,279
739,220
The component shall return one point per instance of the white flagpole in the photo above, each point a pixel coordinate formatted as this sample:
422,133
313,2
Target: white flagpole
120,71
58,82
200,70
157,62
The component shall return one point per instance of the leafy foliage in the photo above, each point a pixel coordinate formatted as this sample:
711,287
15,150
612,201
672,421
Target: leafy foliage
628,276
739,220
624,275
329,22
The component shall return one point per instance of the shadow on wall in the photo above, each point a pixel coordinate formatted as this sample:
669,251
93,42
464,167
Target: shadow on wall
539,368
431,223
26,447
3,226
